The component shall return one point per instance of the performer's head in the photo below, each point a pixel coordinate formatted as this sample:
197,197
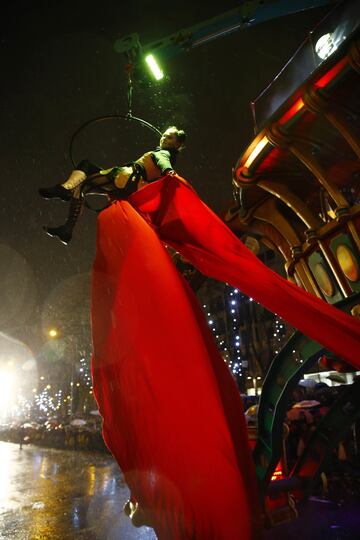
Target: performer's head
172,139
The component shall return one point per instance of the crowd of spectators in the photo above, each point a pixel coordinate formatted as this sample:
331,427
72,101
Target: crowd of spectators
80,433
309,403
340,471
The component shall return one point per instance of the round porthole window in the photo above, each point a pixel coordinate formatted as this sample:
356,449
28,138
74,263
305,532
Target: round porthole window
347,262
324,280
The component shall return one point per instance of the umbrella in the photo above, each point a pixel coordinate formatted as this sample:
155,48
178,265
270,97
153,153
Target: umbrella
307,383
337,377
306,404
78,422
251,414
252,410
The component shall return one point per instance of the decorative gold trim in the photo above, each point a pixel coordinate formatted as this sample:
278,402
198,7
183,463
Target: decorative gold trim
316,101
338,275
283,192
269,212
306,277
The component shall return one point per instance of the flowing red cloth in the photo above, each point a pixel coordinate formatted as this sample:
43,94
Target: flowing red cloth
184,222
172,414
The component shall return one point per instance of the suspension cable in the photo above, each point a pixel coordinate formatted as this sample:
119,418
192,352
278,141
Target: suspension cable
128,116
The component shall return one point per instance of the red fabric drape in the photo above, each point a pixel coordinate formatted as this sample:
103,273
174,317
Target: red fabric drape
184,222
172,415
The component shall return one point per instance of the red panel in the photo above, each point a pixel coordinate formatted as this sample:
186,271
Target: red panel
331,74
294,109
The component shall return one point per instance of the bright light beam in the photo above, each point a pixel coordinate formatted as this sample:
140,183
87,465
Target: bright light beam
154,67
326,46
7,393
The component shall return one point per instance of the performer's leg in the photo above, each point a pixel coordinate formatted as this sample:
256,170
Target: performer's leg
77,177
96,180
64,232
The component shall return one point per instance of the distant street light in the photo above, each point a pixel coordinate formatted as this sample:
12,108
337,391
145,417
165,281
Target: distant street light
53,332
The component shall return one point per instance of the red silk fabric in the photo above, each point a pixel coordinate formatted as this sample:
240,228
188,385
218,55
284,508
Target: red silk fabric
184,222
172,415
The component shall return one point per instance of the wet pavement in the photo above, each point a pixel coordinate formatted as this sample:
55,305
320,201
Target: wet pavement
48,494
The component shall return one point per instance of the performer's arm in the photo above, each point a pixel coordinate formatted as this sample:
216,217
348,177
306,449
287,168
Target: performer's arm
161,158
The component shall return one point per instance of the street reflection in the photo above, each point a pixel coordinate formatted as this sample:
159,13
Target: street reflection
5,481
91,480
48,494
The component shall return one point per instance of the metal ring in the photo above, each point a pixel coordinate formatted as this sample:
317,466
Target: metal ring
127,116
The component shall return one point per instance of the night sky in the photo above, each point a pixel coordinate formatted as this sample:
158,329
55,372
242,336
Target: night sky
59,69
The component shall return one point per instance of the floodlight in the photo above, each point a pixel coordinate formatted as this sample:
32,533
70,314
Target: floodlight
154,67
325,46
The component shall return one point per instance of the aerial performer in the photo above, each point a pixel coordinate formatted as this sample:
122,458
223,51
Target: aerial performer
172,413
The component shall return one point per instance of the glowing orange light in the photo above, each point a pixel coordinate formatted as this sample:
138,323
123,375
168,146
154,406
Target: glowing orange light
294,109
254,154
278,474
331,74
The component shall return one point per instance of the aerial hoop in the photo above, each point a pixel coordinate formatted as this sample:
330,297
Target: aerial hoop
129,68
128,116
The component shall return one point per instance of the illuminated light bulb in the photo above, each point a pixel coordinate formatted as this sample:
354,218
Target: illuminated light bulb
257,150
325,46
154,67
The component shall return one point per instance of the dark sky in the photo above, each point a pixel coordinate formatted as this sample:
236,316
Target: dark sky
59,69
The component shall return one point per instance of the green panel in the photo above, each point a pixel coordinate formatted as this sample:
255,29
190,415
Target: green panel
287,368
344,250
324,277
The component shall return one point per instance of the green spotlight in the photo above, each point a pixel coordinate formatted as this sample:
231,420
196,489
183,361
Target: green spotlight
154,67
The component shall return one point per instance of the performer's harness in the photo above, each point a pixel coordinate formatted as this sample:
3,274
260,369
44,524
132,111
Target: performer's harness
104,183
